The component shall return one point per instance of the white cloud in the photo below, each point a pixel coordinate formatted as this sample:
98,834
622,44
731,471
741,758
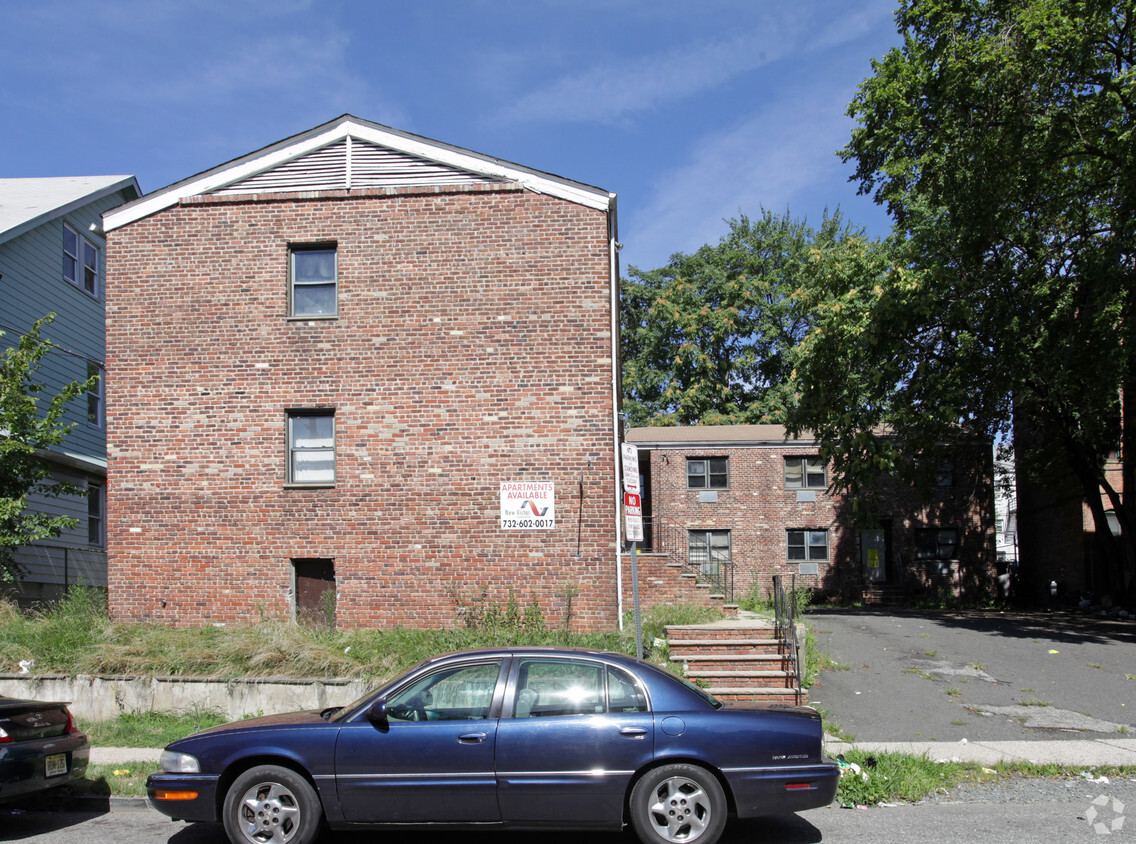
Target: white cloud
774,159
608,92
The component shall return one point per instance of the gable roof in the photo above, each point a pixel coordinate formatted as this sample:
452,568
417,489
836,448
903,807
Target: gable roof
27,203
349,153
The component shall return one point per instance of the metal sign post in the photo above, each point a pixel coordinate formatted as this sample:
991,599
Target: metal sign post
633,518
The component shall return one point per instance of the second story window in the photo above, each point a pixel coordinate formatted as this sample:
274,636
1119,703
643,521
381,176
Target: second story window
311,447
95,395
313,281
81,261
804,473
707,473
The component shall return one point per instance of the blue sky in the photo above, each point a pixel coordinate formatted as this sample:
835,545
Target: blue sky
692,112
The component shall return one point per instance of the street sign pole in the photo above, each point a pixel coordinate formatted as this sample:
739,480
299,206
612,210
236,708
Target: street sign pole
630,455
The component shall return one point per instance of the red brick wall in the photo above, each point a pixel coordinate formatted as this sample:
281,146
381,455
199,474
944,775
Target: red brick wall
472,347
758,510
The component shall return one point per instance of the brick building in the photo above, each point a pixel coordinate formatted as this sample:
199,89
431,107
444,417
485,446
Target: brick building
361,372
732,505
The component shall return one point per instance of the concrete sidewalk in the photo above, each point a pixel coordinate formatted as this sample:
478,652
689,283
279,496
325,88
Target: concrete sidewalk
1092,752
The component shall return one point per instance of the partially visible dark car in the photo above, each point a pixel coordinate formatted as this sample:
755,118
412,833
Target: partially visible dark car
40,747
524,738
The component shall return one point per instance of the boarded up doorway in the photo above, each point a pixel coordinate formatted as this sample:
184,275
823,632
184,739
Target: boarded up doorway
315,592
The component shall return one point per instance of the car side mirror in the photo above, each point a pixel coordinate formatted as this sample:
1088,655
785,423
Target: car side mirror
377,714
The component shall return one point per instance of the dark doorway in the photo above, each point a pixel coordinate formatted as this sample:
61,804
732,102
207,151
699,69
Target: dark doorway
315,592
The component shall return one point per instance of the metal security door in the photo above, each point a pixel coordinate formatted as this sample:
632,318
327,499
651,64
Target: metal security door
873,554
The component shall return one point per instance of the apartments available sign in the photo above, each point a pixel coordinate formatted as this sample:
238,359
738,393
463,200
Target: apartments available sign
526,505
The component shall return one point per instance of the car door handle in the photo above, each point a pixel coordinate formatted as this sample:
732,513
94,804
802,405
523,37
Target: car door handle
472,738
633,732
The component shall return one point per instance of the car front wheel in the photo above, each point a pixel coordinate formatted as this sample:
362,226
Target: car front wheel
678,804
271,805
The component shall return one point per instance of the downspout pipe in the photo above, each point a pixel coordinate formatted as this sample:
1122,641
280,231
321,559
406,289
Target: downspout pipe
613,269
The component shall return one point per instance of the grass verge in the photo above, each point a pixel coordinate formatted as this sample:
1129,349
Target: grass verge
903,778
76,636
149,729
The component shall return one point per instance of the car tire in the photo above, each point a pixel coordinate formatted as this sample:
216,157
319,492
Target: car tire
271,805
678,804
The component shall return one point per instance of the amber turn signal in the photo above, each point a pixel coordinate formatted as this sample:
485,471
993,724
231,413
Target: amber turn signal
175,795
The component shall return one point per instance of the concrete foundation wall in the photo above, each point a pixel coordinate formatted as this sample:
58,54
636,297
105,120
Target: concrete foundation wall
101,698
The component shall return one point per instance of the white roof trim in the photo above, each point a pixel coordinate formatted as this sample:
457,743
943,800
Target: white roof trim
350,127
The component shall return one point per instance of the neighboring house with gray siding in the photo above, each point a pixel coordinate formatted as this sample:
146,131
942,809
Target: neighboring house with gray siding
53,260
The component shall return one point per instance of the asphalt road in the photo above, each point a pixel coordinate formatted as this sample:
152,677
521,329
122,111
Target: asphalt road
931,676
943,823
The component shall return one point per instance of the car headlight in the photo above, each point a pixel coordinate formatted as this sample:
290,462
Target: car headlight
179,763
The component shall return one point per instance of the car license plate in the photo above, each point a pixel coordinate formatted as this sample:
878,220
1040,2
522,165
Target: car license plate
55,765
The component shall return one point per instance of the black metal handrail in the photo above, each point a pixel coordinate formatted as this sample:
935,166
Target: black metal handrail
664,536
785,619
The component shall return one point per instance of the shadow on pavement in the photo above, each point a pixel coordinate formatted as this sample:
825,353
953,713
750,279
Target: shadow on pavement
1061,626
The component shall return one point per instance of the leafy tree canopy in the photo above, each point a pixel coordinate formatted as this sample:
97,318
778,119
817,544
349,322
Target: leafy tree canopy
1000,137
705,339
29,422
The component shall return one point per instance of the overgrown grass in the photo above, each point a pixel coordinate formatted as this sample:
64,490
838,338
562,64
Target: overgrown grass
149,729
903,778
817,661
76,636
756,600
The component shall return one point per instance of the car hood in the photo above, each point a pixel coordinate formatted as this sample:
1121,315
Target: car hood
307,716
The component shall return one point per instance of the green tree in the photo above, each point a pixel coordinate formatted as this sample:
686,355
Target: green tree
29,424
1002,139
705,339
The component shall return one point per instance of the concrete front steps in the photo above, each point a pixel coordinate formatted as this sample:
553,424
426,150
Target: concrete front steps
883,595
669,581
741,660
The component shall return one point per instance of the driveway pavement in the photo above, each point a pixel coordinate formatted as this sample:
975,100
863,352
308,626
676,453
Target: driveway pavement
919,676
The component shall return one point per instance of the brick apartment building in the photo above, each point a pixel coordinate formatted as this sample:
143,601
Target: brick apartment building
363,370
734,505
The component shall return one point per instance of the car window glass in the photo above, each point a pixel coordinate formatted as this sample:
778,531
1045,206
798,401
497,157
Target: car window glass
548,688
624,694
453,694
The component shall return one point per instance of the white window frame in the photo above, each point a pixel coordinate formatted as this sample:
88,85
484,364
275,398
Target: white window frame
77,268
296,475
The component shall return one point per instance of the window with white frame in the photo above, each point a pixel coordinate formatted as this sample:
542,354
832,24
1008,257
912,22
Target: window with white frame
95,395
81,261
311,447
810,545
707,473
804,473
95,520
709,549
314,279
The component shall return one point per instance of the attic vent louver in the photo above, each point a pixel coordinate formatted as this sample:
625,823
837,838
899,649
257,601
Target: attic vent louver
348,164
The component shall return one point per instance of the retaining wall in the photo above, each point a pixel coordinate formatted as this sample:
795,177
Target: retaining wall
100,698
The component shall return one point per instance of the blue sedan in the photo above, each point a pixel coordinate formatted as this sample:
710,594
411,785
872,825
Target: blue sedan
523,738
